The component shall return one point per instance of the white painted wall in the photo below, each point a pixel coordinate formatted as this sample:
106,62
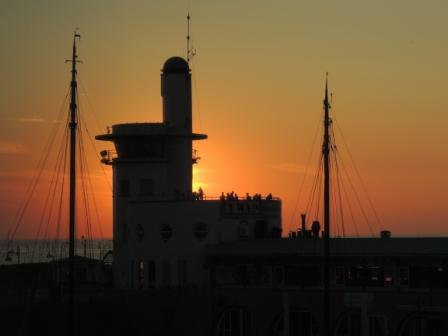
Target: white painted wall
182,216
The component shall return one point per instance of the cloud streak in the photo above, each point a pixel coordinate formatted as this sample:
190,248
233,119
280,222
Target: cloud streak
32,120
11,147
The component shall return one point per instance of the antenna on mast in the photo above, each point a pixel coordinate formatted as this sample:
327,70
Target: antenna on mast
190,49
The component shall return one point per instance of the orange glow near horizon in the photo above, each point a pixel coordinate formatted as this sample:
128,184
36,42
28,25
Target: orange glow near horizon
257,93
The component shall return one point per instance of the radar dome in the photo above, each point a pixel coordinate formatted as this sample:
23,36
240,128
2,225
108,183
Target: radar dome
176,65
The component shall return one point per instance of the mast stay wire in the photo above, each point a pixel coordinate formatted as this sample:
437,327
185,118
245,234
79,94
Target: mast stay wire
85,195
358,200
82,210
369,199
358,175
41,164
334,203
308,162
350,208
340,182
89,103
47,214
319,192
57,237
338,186
89,186
84,123
83,126
58,171
89,196
97,155
37,173
337,214
314,201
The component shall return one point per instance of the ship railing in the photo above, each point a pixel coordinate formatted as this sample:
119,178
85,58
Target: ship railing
234,199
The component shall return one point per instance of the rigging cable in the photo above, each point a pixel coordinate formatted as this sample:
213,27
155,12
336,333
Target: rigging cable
314,189
84,194
46,213
357,198
350,208
57,237
106,179
335,215
83,126
310,154
338,186
15,224
57,173
334,151
381,226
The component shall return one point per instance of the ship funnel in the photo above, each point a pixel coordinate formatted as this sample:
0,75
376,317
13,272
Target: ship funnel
303,217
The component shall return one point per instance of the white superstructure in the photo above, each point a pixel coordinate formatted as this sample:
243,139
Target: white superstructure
161,227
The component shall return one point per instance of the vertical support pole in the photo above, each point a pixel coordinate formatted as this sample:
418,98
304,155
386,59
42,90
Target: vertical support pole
72,199
303,218
286,322
364,319
326,154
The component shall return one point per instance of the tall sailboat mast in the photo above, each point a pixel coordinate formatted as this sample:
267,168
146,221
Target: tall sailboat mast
73,125
326,154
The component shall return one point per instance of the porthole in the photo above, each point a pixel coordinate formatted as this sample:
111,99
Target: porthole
166,231
200,231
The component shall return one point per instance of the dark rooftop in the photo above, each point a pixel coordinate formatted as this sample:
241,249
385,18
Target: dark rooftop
176,65
340,247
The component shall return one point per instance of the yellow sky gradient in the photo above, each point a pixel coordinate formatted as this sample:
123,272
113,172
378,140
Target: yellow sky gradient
258,80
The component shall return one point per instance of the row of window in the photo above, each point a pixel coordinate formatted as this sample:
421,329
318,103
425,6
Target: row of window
200,231
241,207
247,275
143,273
311,275
380,276
145,188
134,148
239,322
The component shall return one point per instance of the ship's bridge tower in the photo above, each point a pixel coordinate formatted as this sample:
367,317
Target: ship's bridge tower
160,230
154,160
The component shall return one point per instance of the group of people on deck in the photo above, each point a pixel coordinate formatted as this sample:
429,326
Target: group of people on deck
232,196
199,195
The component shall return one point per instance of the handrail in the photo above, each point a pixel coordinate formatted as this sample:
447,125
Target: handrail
240,199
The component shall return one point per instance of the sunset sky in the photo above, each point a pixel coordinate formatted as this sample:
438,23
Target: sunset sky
258,81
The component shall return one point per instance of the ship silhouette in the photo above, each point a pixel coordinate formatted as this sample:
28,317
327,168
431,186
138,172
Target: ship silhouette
185,262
